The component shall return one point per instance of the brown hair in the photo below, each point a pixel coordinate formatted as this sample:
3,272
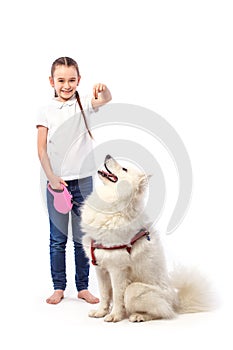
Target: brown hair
67,61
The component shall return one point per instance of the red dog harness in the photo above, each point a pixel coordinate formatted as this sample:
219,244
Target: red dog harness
128,247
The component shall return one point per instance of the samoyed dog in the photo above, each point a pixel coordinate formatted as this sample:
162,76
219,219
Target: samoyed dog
130,263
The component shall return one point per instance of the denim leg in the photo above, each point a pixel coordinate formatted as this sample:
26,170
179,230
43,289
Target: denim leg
81,267
58,239
80,191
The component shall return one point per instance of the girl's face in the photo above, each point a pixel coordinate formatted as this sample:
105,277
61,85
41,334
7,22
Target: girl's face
65,81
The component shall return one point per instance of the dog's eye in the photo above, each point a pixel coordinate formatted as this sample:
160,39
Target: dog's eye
124,169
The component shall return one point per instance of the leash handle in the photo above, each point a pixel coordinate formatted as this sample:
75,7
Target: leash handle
55,190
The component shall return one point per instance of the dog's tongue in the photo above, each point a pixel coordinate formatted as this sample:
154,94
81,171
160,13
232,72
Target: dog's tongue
108,175
112,176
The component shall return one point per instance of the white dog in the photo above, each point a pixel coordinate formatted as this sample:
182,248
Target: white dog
130,265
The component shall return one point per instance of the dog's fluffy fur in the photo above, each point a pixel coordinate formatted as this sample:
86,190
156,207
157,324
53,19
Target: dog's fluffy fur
136,285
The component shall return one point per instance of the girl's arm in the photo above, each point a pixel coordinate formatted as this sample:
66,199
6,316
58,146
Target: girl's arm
101,95
55,181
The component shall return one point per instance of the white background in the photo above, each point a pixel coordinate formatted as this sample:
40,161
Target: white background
173,57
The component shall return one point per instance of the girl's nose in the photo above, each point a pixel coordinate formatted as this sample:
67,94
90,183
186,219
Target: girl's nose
66,85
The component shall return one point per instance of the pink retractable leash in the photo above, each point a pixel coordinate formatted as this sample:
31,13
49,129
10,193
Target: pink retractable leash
62,201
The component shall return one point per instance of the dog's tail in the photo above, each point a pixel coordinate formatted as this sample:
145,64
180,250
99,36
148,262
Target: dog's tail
195,292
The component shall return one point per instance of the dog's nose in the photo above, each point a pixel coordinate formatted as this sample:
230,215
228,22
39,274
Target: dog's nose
107,157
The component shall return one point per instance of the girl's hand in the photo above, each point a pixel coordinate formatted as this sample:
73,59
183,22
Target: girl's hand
98,88
101,95
56,183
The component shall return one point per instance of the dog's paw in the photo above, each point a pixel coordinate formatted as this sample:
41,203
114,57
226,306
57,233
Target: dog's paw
97,313
138,318
113,317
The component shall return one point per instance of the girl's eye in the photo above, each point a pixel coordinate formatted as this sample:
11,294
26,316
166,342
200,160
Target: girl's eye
124,169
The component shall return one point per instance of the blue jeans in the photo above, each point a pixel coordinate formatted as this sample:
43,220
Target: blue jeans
59,224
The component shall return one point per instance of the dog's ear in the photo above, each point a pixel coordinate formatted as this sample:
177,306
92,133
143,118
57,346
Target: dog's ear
143,182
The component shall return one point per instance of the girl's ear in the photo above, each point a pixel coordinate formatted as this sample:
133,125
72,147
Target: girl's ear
79,77
51,81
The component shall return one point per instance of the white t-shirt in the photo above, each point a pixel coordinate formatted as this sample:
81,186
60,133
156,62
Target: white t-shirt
69,146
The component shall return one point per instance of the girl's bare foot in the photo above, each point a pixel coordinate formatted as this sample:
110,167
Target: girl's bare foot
56,297
88,297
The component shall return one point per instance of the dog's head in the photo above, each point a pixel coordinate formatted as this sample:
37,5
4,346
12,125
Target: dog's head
128,181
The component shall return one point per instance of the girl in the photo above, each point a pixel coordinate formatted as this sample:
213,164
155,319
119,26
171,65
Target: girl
64,149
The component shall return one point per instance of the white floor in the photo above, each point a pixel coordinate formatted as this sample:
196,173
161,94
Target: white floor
30,323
